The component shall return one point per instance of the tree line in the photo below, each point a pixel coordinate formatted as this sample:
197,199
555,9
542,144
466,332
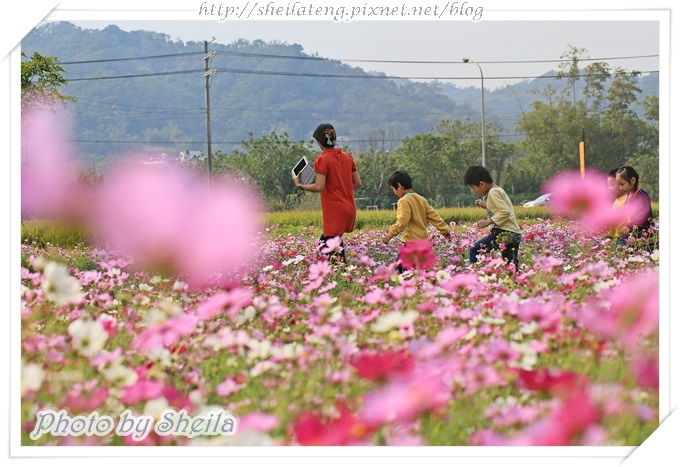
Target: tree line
601,111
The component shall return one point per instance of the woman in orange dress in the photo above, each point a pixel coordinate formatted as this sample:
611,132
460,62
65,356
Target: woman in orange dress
336,180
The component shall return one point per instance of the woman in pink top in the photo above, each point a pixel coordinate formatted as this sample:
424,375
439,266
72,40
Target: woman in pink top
336,180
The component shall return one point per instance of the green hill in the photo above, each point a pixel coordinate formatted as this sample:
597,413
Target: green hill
141,89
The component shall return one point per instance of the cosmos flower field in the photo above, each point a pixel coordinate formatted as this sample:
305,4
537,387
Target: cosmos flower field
182,320
303,352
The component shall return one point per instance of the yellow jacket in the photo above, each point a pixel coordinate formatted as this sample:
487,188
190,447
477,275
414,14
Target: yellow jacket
413,214
618,202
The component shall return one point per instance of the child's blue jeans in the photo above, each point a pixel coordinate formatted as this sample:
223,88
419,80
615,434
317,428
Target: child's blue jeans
511,241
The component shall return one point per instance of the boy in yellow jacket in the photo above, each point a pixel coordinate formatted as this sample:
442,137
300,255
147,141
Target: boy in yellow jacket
413,212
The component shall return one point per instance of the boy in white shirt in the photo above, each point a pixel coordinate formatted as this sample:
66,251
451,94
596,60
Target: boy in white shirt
501,216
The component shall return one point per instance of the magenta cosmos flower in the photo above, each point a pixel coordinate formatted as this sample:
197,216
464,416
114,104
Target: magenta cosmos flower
417,254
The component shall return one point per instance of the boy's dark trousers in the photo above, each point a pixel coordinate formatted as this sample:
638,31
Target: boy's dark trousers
490,242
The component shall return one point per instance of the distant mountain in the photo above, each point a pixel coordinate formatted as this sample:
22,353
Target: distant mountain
141,89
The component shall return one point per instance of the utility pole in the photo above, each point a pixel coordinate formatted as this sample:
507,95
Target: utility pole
208,73
582,153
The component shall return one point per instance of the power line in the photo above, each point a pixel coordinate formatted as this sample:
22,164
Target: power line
148,57
422,62
136,76
310,75
358,60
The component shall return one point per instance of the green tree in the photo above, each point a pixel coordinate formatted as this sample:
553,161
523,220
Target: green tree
468,136
434,165
374,163
603,113
266,162
650,127
41,79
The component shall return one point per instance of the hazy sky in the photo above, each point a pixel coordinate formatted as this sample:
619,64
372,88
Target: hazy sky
366,43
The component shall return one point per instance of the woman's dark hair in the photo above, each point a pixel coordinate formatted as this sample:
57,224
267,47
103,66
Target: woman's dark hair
476,174
400,177
325,135
628,173
612,173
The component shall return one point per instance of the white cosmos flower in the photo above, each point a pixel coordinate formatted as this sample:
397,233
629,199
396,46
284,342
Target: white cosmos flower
394,320
529,355
88,336
161,356
606,284
442,275
32,377
120,375
154,317
145,287
59,286
156,407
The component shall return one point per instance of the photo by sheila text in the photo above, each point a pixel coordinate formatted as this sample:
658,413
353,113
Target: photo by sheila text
340,13
171,423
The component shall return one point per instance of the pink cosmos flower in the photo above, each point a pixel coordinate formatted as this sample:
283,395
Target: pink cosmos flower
448,336
375,296
312,430
317,272
546,315
628,312
405,397
570,423
551,380
85,397
164,217
587,199
319,269
176,399
166,333
417,254
142,211
331,245
142,390
500,350
460,282
220,235
109,324
258,421
48,168
228,387
230,303
375,366
646,371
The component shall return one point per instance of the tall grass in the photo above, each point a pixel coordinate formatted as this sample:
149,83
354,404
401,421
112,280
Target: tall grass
45,233
292,221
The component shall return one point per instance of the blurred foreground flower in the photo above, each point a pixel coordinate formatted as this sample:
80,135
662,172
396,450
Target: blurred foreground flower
167,219
49,171
376,365
628,312
311,430
586,199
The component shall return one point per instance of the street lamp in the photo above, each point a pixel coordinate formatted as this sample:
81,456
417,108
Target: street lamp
466,60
